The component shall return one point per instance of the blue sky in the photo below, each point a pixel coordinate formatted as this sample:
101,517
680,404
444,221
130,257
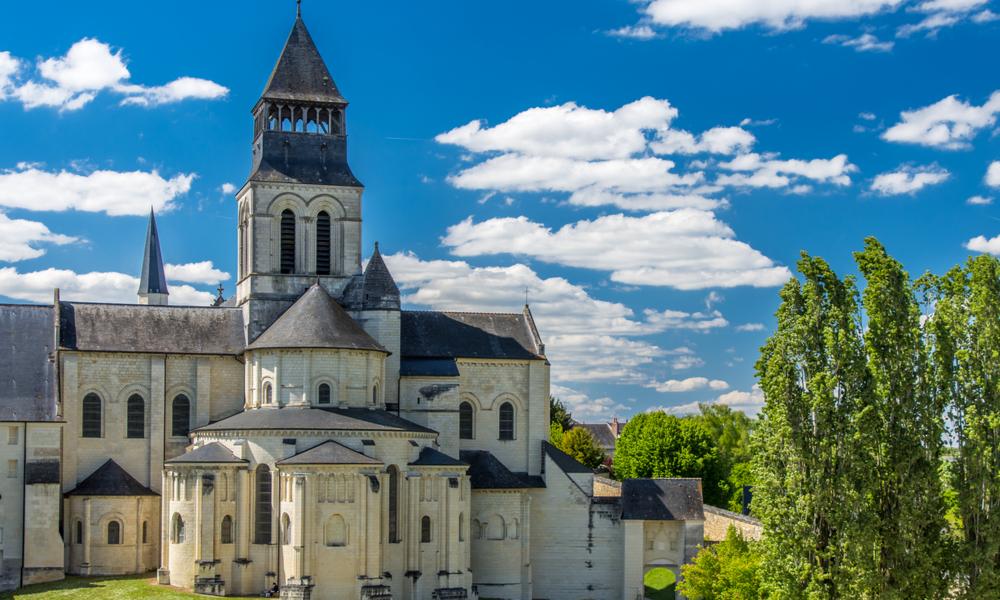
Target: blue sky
649,170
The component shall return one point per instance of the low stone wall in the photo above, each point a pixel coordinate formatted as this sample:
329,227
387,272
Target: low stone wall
604,487
718,521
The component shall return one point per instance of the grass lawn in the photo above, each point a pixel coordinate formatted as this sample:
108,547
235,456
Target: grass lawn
100,588
659,583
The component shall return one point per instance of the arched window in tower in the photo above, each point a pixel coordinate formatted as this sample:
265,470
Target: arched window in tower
287,242
425,530
324,394
272,118
323,243
311,126
268,393
226,530
286,119
180,422
393,504
262,506
92,420
114,533
338,122
466,425
324,121
177,529
286,530
135,417
375,394
506,421
79,532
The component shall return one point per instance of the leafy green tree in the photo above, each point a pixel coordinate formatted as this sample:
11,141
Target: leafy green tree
656,444
901,434
731,430
964,330
559,415
729,570
581,445
555,435
807,494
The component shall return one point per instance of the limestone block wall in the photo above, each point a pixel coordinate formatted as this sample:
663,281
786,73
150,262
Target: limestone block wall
576,543
212,384
501,550
295,377
11,503
90,549
384,326
433,402
487,385
43,547
718,521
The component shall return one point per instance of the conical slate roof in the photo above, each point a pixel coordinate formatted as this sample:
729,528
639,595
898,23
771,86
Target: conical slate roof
153,279
300,73
378,288
110,480
316,320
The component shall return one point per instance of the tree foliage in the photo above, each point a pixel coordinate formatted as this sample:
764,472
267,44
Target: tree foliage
559,415
581,445
731,430
660,445
729,570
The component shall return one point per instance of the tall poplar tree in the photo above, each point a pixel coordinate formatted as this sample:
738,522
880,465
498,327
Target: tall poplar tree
901,433
965,331
812,371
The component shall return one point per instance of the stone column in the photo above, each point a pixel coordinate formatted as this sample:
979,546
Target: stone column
157,416
166,497
87,531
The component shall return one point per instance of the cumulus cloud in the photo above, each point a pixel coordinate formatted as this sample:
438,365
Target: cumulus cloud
749,403
113,192
750,327
945,13
227,188
766,171
985,245
584,408
908,180
979,200
587,339
686,249
715,17
866,42
196,272
19,239
37,286
993,174
72,81
635,32
690,384
949,123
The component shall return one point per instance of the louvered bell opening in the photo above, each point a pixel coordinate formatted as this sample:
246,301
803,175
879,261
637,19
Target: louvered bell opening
323,244
287,242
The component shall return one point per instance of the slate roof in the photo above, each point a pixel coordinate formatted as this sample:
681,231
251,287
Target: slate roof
378,288
564,461
300,73
602,434
213,453
27,376
153,279
486,472
110,480
316,320
345,419
430,457
429,334
155,329
428,367
662,500
329,453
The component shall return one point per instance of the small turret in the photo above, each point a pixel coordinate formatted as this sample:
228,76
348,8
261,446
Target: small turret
378,288
153,281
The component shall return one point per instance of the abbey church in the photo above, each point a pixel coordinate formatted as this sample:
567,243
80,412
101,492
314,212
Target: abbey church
307,433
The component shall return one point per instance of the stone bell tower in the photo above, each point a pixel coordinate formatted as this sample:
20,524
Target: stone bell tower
300,209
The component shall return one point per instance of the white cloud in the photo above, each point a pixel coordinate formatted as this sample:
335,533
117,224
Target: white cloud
227,188
644,202
773,14
196,272
765,171
749,403
908,180
89,67
979,200
982,244
587,339
750,327
677,319
945,13
690,384
584,408
113,192
19,239
686,249
949,123
37,286
866,42
985,16
993,174
636,32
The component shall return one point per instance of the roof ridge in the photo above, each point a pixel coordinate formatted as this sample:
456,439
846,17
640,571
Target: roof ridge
465,312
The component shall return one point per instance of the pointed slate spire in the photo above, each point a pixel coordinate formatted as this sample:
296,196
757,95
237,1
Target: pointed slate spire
153,280
378,288
300,73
